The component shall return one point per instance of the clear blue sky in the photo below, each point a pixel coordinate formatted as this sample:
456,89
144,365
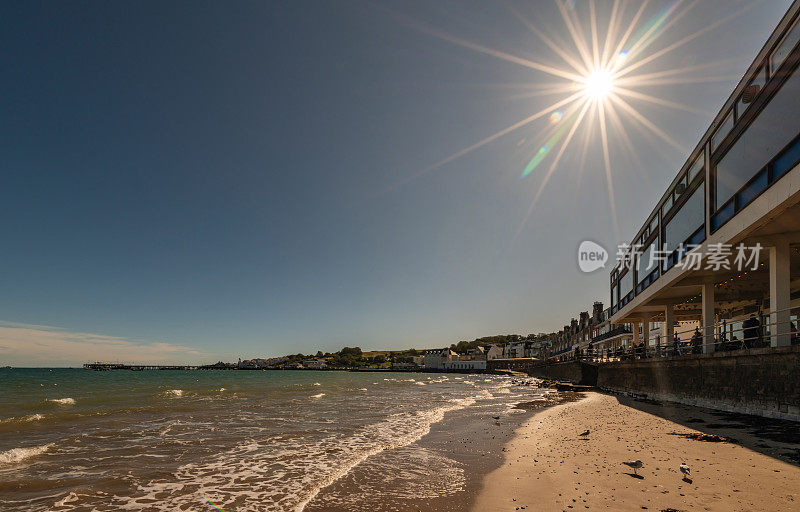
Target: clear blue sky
243,178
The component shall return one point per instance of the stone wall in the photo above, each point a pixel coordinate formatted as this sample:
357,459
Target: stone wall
573,371
763,381
520,364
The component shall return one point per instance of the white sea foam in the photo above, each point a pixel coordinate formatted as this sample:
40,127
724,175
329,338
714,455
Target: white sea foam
222,389
362,389
16,455
419,383
175,392
285,472
317,396
62,401
317,384
30,417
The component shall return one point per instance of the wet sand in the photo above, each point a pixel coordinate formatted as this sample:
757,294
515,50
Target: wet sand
548,466
454,458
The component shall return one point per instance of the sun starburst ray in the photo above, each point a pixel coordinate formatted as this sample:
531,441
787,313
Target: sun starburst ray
611,32
498,134
657,75
624,39
580,42
645,122
576,64
552,167
602,75
622,91
657,26
607,164
593,28
492,52
619,126
685,40
588,134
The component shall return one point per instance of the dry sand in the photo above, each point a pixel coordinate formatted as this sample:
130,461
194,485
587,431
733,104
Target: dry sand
549,467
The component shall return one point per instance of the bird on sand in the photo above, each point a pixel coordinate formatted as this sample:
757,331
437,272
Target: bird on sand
686,470
637,464
585,433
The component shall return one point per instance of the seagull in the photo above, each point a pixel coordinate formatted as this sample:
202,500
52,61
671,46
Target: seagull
584,434
685,470
637,464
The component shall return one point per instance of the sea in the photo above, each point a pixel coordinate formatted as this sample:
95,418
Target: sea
75,439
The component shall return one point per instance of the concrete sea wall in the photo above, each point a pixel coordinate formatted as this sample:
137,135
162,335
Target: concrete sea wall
763,381
576,372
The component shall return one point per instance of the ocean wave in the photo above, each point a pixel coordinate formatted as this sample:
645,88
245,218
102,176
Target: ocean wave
16,455
175,392
290,470
317,384
62,401
419,383
317,396
23,419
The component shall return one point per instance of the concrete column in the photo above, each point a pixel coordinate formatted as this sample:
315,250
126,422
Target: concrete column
669,321
779,296
635,334
646,333
707,319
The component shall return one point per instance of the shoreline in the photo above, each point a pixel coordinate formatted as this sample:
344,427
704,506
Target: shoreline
453,458
548,466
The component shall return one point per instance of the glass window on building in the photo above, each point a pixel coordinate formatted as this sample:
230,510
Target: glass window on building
654,224
750,92
697,167
680,187
785,47
626,284
644,267
774,128
667,204
686,221
722,131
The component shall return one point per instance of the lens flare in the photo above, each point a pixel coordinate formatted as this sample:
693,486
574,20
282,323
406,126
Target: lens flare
600,73
619,59
211,503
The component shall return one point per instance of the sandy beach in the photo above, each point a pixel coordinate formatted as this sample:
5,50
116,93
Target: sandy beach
548,466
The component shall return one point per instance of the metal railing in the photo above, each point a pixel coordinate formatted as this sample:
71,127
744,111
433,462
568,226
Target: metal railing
753,332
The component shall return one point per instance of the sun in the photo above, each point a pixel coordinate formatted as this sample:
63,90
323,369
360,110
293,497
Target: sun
598,84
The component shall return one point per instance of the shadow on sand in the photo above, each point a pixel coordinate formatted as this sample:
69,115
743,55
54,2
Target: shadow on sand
779,439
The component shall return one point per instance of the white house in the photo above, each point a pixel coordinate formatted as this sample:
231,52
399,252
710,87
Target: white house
514,349
476,354
435,359
464,365
493,352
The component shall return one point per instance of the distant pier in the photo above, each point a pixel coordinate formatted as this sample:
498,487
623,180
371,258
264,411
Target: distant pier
136,367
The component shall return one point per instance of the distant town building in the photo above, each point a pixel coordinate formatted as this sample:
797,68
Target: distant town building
464,365
435,359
